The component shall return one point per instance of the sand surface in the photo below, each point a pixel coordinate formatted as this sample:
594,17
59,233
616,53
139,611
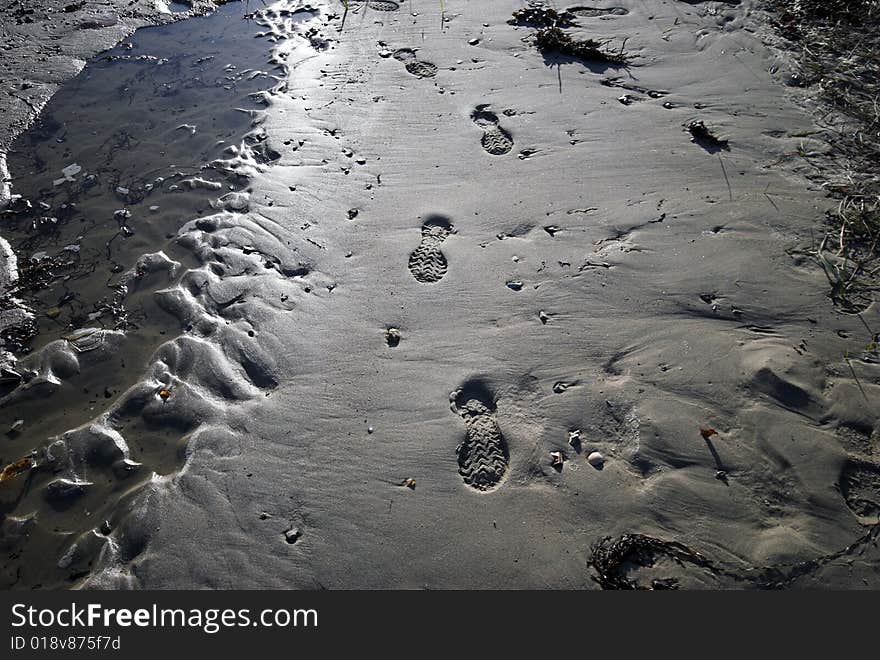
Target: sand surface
450,259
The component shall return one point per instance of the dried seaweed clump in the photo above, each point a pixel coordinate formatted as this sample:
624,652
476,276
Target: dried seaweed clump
554,40
612,557
537,15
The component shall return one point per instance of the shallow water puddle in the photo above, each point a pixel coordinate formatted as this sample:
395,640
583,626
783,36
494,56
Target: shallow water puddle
138,144
118,159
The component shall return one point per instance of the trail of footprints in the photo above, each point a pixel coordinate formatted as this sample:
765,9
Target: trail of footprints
496,140
483,455
427,262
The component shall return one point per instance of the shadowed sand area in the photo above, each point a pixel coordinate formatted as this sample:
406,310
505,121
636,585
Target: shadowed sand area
413,272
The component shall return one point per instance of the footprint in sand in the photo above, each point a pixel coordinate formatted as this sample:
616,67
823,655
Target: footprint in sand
495,140
381,5
416,67
591,12
483,456
427,263
384,5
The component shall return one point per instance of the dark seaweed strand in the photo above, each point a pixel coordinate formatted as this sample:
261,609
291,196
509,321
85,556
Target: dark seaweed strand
610,557
554,40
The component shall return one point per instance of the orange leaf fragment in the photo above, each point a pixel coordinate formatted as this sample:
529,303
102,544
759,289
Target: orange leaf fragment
15,469
164,394
708,433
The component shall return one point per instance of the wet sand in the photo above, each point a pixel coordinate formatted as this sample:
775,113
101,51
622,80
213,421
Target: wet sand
122,156
472,309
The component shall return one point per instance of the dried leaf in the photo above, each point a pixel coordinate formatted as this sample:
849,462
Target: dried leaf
708,433
409,483
15,469
164,394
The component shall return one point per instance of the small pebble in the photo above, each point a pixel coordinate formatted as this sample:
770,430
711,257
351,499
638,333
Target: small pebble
392,337
596,460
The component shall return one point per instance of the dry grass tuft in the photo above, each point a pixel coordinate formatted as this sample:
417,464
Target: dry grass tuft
839,46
